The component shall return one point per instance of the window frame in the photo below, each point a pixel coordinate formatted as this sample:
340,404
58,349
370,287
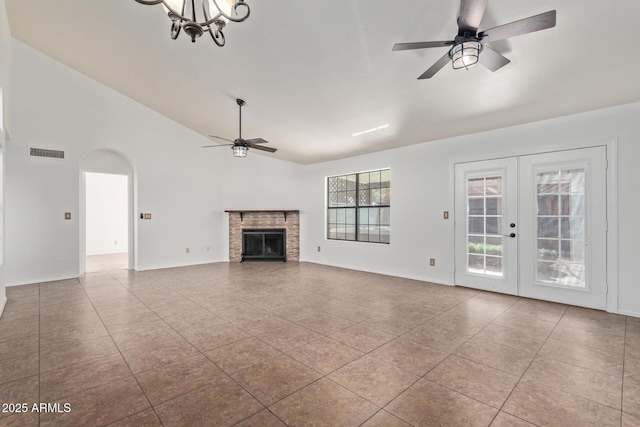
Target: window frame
361,202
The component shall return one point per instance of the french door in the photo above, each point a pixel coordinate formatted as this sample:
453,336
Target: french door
534,226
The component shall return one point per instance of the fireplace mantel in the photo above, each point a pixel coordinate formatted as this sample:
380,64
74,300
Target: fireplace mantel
245,211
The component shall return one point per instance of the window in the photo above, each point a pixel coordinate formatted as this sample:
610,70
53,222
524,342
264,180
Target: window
359,206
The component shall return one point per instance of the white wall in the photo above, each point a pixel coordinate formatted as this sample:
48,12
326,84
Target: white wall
5,63
421,191
256,182
181,185
58,108
107,213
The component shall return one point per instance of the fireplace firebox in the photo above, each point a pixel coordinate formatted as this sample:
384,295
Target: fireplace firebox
264,244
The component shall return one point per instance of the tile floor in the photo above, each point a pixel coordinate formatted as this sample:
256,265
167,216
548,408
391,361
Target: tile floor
271,344
106,262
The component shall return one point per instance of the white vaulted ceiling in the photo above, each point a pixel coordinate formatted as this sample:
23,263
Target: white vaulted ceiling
315,73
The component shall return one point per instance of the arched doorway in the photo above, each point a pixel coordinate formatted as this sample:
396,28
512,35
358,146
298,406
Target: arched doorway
107,208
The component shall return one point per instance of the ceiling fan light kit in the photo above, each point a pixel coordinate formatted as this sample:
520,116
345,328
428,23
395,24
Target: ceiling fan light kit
239,151
196,17
465,54
469,48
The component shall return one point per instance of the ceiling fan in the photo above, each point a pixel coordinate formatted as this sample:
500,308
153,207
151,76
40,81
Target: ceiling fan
468,47
240,146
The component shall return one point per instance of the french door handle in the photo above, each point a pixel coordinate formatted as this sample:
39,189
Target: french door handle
510,235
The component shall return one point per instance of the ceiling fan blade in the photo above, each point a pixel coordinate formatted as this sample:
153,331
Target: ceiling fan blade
261,148
219,137
471,12
492,59
420,45
517,28
217,145
256,141
435,67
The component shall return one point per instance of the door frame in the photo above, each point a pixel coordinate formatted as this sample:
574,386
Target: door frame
103,162
611,145
507,170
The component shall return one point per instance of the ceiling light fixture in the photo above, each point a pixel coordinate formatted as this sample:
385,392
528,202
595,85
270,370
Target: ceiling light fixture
465,54
371,130
184,15
240,151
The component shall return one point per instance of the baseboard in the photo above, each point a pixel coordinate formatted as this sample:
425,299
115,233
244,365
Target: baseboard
4,303
42,280
165,266
629,313
383,273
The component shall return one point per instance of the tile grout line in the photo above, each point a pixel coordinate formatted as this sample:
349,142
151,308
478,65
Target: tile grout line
452,353
287,354
199,351
120,353
564,391
529,365
189,291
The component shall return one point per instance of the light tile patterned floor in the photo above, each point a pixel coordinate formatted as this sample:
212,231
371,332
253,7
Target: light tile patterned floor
272,344
106,262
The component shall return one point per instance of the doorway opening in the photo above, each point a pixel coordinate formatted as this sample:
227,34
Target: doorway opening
106,222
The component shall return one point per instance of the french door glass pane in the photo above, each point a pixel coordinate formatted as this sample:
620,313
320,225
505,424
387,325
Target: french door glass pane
484,231
561,228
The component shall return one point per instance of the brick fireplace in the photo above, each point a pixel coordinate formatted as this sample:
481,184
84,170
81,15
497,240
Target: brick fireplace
264,219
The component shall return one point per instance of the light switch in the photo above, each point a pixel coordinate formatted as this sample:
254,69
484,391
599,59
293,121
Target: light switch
67,215
446,215
147,216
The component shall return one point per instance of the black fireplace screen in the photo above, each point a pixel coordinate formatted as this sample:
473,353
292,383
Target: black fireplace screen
267,244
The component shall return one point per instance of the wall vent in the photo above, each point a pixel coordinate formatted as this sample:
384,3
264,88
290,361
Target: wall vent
43,152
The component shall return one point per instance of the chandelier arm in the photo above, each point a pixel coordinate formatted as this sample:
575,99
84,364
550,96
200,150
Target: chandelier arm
175,29
217,36
208,19
213,24
179,16
240,18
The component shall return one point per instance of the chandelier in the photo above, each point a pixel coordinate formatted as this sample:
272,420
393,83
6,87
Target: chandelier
196,17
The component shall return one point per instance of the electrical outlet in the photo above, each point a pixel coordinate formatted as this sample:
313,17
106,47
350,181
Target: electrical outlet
188,250
318,248
147,216
432,262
